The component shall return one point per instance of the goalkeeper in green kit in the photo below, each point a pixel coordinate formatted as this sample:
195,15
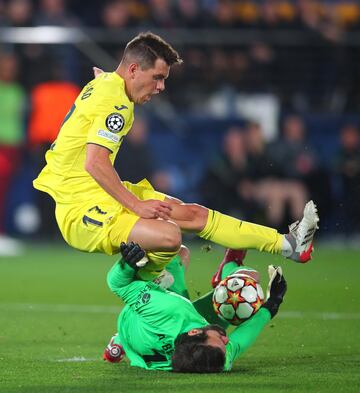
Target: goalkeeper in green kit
161,329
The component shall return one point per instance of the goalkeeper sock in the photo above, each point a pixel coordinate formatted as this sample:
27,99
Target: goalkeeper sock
177,269
233,233
204,306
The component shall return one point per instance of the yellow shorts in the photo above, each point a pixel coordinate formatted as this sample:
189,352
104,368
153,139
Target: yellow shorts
101,224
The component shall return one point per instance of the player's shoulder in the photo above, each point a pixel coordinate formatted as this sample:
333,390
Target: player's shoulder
106,96
110,84
110,90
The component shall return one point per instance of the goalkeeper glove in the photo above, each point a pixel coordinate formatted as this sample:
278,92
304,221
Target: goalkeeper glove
276,290
133,255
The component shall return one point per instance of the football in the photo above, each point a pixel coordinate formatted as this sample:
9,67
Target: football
237,297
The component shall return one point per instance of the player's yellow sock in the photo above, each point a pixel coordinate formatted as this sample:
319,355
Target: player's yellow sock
156,264
233,233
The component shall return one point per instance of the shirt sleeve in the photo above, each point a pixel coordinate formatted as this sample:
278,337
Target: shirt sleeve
121,281
245,335
110,126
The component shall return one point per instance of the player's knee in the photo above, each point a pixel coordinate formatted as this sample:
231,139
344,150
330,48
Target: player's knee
172,238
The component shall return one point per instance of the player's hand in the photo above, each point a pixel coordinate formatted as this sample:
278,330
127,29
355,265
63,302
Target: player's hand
133,255
276,290
97,71
153,208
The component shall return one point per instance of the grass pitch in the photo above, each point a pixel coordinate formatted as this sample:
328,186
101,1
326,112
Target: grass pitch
57,315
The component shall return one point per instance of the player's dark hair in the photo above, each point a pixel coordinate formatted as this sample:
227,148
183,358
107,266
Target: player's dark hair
192,355
146,48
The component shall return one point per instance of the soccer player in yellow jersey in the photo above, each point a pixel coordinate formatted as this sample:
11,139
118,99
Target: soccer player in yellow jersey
96,210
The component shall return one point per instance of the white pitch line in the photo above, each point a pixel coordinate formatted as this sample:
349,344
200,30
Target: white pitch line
97,309
318,315
76,359
69,308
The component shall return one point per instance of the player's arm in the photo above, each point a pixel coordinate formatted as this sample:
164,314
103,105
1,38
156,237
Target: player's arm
121,277
246,334
99,166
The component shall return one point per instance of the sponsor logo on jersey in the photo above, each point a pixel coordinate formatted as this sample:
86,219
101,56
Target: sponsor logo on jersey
146,298
115,122
108,135
119,108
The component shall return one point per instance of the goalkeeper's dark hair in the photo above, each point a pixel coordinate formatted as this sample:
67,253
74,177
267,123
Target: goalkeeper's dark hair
192,355
146,48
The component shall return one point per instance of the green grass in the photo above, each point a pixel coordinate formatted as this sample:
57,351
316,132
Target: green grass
55,306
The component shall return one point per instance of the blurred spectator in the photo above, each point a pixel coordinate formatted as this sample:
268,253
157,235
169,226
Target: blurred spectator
224,15
2,11
267,190
189,14
292,153
12,98
262,65
348,169
225,174
55,13
31,57
116,15
161,14
50,101
295,159
135,161
19,13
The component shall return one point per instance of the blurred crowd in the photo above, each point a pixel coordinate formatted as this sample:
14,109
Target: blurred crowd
264,180
271,182
113,14
301,50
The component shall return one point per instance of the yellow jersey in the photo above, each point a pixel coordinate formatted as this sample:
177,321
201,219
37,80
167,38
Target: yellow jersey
102,114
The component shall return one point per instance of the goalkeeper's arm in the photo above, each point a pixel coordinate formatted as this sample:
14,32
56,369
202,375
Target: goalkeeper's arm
245,335
120,278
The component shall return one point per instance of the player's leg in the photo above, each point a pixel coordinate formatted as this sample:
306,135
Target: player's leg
236,234
101,226
225,230
176,268
160,239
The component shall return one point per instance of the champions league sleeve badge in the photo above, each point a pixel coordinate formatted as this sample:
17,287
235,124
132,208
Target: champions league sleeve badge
115,122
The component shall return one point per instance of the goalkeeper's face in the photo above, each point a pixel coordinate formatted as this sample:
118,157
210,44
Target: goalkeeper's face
148,82
216,336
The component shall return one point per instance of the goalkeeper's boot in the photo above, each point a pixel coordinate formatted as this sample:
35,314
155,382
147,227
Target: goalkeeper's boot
236,256
114,353
301,234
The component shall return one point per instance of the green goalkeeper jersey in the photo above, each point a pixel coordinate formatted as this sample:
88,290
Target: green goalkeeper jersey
153,317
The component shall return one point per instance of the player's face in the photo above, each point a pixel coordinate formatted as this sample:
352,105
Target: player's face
217,339
147,83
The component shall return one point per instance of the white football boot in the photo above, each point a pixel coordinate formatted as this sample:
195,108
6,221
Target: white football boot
301,234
